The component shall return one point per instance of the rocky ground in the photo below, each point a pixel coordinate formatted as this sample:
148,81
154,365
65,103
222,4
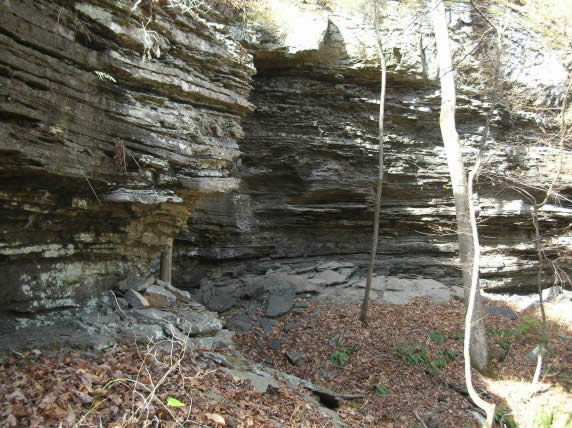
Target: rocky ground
283,348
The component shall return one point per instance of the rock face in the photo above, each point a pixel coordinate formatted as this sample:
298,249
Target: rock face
114,124
123,128
309,155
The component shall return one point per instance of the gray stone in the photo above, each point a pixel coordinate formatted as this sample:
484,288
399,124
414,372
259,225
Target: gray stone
219,303
399,291
181,295
152,315
532,356
239,323
328,374
221,340
136,300
99,318
307,287
160,297
329,278
267,324
278,305
198,324
499,310
335,265
274,345
254,291
261,381
294,356
190,323
135,283
143,332
281,284
66,333
378,283
289,326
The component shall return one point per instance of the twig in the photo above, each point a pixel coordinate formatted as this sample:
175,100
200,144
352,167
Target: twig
91,187
117,303
421,421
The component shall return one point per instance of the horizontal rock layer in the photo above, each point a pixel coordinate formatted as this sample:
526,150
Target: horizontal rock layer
309,155
114,123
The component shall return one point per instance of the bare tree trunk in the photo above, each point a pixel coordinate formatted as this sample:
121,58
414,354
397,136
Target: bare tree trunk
364,306
489,408
478,340
167,262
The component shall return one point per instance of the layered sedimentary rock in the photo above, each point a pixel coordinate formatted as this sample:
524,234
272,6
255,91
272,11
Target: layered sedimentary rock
122,128
113,124
308,158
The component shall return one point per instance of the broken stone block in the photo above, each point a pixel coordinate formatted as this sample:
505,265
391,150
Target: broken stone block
143,332
333,265
278,305
219,303
136,300
294,356
181,295
135,283
261,381
98,318
329,278
221,340
240,323
499,310
267,324
160,297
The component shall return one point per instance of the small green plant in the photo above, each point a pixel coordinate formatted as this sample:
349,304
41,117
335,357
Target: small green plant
504,344
505,332
437,337
502,416
351,349
434,367
411,354
379,389
528,325
545,419
339,358
449,355
460,335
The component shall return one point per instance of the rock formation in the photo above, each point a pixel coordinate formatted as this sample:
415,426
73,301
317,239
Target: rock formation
114,123
309,152
123,128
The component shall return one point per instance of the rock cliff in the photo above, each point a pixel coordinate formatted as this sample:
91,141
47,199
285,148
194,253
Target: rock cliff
114,123
123,128
309,155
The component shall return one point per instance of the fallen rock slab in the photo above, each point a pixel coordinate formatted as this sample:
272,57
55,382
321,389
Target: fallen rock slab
135,283
181,295
261,381
278,305
190,323
142,332
334,265
499,310
329,278
136,300
219,303
160,297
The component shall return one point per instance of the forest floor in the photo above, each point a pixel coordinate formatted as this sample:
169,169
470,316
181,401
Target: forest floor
407,364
